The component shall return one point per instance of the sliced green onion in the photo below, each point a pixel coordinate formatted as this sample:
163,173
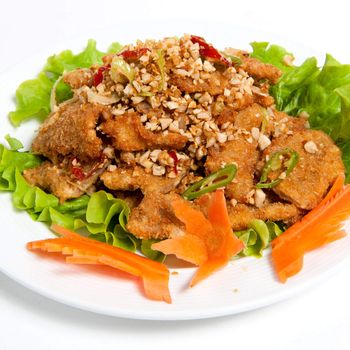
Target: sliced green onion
234,59
53,102
120,67
210,183
144,93
276,162
161,65
265,121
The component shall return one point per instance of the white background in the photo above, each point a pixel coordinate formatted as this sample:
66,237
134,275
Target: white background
318,319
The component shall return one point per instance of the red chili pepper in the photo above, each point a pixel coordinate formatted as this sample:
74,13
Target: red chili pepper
208,51
78,173
173,155
133,55
98,76
96,165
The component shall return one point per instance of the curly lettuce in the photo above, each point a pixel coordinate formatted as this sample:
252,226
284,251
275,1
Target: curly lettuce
258,236
33,96
322,92
103,216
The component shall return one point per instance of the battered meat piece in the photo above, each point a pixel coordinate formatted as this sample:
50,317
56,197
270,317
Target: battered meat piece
316,170
61,182
129,135
228,115
130,179
50,178
78,78
123,132
245,155
262,97
214,85
241,214
246,118
250,117
154,217
255,67
282,123
260,70
71,131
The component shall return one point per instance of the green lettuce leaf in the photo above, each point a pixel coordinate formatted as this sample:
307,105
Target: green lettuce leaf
258,237
33,96
114,47
14,144
103,216
345,148
272,54
322,92
9,162
149,252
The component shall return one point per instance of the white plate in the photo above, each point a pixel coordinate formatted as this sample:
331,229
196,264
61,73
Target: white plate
243,285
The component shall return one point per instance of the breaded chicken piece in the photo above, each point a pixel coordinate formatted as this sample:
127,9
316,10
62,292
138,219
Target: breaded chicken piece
281,123
50,178
255,67
131,179
241,214
78,78
242,153
124,133
260,70
154,217
70,131
319,164
228,115
262,96
153,140
249,117
214,85
62,182
129,134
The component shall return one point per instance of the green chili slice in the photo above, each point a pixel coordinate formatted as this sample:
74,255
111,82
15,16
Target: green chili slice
265,121
284,159
210,183
236,61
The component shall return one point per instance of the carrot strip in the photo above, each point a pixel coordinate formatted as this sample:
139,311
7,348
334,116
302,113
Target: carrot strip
194,220
219,218
90,260
319,227
227,244
188,247
336,187
208,243
208,268
124,255
217,211
155,276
